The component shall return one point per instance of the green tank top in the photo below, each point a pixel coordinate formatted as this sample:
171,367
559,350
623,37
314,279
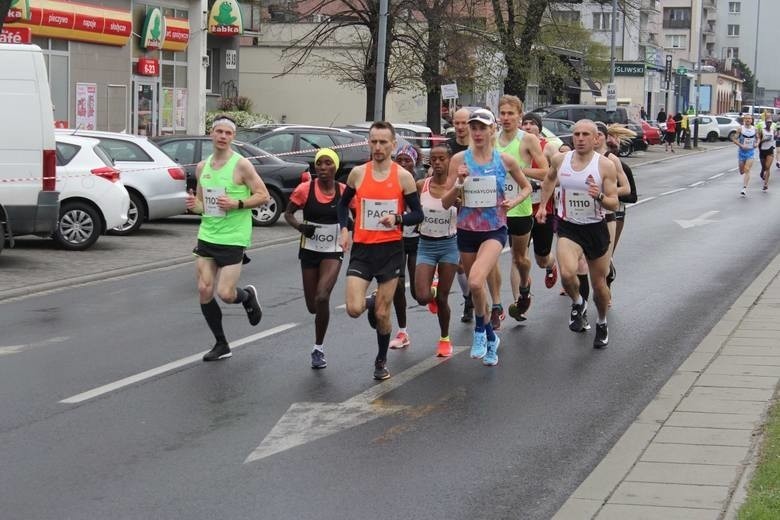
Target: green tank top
525,208
235,227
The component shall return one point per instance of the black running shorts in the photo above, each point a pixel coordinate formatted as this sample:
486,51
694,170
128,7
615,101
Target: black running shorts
542,237
313,259
221,254
763,154
592,238
383,261
518,226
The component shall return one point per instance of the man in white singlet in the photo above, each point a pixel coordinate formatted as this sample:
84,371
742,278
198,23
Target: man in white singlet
588,184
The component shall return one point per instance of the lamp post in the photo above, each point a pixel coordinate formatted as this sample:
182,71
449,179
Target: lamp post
755,59
379,95
698,80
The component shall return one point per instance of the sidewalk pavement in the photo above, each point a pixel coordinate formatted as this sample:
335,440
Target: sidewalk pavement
691,452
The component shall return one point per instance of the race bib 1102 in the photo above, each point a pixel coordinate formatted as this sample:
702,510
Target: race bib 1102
210,207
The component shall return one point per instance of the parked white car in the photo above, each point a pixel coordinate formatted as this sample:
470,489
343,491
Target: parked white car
727,126
156,183
92,198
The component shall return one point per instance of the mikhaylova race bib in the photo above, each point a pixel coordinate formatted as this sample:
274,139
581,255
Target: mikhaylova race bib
480,192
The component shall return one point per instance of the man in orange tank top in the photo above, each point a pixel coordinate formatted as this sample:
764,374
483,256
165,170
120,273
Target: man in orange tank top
382,191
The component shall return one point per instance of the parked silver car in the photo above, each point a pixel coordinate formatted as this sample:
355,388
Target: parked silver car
156,184
727,126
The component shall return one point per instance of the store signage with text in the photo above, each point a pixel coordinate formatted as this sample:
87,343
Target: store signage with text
147,67
12,34
18,12
80,22
177,34
153,33
629,69
225,19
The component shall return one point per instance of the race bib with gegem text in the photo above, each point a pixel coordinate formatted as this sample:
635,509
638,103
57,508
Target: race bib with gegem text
373,210
436,222
480,192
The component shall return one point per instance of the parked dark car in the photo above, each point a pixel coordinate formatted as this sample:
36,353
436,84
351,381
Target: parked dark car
305,141
421,169
598,113
561,128
280,177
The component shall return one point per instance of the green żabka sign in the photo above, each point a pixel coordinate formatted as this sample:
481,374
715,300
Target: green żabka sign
629,69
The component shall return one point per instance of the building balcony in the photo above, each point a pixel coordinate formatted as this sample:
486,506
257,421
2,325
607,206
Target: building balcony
650,6
677,24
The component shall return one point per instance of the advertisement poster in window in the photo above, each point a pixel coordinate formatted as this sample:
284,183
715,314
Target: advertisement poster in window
181,109
166,110
86,103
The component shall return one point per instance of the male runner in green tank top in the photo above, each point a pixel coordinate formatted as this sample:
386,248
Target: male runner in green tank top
525,148
228,187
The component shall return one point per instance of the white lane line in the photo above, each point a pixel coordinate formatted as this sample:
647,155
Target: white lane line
696,184
173,365
673,191
13,349
641,201
716,176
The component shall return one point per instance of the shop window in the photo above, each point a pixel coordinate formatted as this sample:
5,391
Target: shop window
56,55
173,95
250,14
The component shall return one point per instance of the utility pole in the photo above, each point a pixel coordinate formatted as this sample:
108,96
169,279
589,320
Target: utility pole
698,79
381,47
611,89
755,59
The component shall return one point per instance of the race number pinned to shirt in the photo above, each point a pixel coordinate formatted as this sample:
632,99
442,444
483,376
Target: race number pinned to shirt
536,193
436,223
210,207
480,192
511,188
325,239
579,205
373,210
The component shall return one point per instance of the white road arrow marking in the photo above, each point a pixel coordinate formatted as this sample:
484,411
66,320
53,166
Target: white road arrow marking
13,349
701,220
307,422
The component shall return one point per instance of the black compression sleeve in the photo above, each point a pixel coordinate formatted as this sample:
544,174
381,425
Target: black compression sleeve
343,206
631,197
415,213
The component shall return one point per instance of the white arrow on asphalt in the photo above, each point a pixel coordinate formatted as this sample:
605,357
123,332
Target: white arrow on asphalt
306,422
701,220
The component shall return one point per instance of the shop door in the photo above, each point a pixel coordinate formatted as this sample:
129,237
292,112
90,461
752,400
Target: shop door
145,99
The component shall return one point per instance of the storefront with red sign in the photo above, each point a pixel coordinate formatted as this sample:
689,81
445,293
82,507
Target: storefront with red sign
97,58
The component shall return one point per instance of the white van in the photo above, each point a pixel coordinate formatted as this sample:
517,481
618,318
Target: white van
29,201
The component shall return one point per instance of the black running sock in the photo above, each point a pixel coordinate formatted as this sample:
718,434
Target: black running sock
213,315
383,343
491,336
584,286
242,296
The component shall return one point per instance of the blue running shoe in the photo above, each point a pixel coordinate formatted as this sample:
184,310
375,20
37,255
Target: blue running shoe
479,346
491,357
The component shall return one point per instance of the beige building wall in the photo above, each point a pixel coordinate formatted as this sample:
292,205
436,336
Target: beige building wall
310,95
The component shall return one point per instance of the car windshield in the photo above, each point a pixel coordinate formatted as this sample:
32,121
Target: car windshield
250,150
251,134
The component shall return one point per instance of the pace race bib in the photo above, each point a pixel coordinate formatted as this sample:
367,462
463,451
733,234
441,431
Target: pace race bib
579,205
480,192
436,222
325,239
210,196
373,210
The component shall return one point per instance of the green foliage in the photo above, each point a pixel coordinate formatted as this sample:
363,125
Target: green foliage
763,499
242,118
237,103
747,75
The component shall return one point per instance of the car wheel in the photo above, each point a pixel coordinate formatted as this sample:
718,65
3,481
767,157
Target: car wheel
79,226
136,214
268,213
732,135
625,150
712,137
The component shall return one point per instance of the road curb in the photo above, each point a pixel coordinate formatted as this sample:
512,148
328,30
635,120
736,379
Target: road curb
670,157
117,273
600,486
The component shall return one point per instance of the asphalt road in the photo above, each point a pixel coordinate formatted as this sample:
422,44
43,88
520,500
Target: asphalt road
451,440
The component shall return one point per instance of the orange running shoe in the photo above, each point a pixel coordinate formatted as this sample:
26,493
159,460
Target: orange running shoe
444,349
433,307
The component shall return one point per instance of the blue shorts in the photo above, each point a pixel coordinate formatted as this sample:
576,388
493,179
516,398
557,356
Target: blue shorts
438,251
469,241
747,156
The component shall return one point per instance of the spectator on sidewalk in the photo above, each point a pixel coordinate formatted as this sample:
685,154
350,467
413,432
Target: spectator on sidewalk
669,133
678,117
661,117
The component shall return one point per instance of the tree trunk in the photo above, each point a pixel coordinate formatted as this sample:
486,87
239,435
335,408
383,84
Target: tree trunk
431,76
517,54
5,6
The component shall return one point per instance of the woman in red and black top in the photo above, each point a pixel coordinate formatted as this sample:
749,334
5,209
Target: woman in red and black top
320,253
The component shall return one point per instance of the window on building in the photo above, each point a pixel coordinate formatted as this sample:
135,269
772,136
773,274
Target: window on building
173,92
676,41
602,21
250,15
735,7
567,17
733,29
732,52
56,55
677,18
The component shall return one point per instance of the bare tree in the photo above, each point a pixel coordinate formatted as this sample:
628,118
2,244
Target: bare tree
5,6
